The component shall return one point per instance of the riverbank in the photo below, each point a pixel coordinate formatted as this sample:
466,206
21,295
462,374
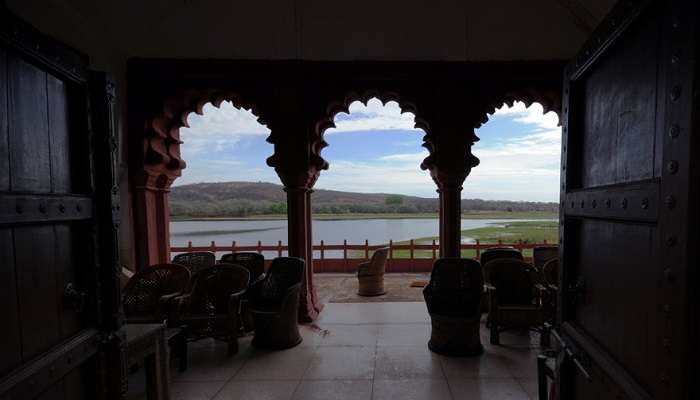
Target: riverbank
472,214
507,233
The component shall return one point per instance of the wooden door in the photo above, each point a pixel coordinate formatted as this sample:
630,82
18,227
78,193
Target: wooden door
627,308
57,260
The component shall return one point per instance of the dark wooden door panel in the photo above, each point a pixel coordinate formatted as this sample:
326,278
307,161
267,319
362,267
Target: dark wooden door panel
36,287
618,109
10,339
4,145
617,264
28,129
629,237
49,230
58,114
69,257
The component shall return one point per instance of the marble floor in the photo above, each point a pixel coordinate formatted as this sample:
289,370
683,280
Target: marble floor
358,351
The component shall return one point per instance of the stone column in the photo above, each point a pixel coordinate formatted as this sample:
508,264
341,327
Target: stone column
450,162
450,219
299,236
151,220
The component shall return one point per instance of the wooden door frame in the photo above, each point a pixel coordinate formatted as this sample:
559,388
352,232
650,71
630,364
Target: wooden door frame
673,202
102,338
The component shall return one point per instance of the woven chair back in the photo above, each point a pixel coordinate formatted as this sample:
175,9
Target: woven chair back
253,262
144,289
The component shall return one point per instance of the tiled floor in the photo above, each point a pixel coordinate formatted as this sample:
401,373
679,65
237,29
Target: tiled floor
358,351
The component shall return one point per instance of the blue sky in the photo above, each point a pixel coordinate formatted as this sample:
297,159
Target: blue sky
375,148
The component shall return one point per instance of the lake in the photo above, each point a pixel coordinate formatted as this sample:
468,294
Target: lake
248,232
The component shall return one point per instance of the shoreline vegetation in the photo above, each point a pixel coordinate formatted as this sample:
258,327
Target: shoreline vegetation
469,214
508,233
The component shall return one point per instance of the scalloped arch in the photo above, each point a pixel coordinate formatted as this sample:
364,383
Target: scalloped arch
334,107
550,100
162,137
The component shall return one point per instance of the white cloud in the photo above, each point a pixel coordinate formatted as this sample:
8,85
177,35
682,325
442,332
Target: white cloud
415,157
384,177
521,167
219,128
373,116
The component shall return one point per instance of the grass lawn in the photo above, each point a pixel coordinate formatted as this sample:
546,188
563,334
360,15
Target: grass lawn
508,233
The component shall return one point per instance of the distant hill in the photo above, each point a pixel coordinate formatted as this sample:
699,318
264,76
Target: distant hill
241,199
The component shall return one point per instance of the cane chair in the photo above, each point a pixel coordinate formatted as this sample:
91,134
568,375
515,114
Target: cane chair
511,303
253,262
148,294
195,261
550,278
274,304
453,298
370,274
542,254
212,305
494,253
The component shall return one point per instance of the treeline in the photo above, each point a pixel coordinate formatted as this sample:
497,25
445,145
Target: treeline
244,199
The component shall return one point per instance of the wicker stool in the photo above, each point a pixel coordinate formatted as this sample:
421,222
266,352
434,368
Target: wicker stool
370,274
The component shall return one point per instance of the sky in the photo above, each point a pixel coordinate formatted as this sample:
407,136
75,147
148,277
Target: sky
375,148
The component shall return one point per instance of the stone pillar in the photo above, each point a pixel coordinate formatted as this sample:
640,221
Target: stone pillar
151,223
300,238
450,219
450,162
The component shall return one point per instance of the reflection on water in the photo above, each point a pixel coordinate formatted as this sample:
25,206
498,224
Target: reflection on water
249,232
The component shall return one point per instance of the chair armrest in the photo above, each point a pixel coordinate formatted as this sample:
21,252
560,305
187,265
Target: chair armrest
363,269
178,308
164,305
253,289
234,302
492,293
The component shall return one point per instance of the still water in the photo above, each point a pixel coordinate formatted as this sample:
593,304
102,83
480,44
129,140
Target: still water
248,232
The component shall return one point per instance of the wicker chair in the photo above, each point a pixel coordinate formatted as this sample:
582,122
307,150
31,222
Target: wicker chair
550,278
370,274
274,304
212,305
148,294
494,253
453,298
511,303
195,261
253,262
542,254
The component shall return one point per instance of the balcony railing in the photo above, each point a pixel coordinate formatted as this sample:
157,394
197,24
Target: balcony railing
412,257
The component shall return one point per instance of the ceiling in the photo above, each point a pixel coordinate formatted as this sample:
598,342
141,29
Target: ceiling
450,30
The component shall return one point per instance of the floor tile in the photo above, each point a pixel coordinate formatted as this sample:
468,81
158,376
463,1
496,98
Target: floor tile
281,364
342,363
195,390
403,335
521,362
407,362
257,390
487,389
334,389
209,361
411,389
374,313
486,365
530,387
311,334
349,335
